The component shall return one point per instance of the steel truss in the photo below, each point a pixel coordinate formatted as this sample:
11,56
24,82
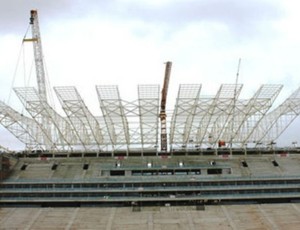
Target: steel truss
23,128
197,121
148,104
184,114
225,111
114,115
56,130
278,120
248,114
215,114
131,125
200,121
84,123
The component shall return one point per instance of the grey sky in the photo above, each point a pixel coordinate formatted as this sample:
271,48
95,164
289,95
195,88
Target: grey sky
241,17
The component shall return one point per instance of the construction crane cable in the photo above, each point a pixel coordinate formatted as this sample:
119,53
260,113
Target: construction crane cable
27,76
26,79
21,51
234,102
48,85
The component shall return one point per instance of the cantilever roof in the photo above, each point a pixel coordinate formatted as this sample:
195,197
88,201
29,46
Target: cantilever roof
195,121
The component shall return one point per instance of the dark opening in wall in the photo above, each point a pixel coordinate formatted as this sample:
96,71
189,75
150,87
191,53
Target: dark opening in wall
244,164
85,166
275,163
23,167
214,171
54,167
117,173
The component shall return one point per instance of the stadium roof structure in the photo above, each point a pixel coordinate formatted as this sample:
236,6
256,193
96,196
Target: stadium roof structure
196,121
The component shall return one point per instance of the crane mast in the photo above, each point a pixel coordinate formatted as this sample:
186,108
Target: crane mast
162,115
38,54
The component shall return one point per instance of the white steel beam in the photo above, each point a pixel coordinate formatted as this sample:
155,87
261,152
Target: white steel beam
148,99
23,128
114,115
54,127
278,120
84,123
201,119
217,109
260,107
183,116
225,116
248,114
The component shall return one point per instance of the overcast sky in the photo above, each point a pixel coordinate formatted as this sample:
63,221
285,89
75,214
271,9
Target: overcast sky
126,42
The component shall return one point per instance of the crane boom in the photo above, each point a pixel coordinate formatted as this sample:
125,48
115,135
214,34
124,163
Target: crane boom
38,54
162,115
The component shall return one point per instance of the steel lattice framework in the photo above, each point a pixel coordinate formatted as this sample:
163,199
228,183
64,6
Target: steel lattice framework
254,112
24,128
114,116
84,123
184,114
213,115
275,122
204,121
197,121
131,125
148,104
57,132
246,115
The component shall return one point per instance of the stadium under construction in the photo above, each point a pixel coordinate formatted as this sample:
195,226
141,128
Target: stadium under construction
209,149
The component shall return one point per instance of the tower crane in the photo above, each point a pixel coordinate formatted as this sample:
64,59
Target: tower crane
163,115
38,54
